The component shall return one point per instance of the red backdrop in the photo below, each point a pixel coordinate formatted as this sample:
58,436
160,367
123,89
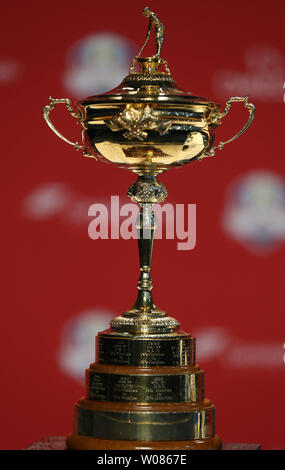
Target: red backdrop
228,291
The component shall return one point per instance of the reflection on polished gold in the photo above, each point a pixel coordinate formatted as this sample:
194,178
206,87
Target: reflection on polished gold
145,389
145,425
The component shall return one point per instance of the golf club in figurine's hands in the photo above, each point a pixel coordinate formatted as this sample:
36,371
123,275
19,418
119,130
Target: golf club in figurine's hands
145,389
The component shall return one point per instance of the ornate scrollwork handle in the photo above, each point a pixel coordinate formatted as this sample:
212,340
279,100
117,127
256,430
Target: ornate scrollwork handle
46,112
228,105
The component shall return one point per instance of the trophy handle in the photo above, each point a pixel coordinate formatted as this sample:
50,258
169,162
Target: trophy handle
46,112
251,109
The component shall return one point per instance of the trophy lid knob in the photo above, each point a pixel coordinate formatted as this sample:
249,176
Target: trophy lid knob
149,77
148,65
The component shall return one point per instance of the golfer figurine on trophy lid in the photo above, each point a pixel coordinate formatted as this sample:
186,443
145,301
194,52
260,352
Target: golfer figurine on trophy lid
145,389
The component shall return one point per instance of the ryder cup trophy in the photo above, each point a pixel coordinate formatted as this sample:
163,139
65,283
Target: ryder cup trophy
145,389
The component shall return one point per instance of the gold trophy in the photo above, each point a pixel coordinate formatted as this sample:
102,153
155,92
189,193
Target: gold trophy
145,389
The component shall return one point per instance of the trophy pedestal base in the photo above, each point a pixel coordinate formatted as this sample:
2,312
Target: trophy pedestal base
144,392
76,442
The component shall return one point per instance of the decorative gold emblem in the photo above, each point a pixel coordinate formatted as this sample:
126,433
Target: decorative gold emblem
137,121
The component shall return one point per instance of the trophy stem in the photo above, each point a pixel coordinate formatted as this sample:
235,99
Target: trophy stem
146,226
144,317
147,192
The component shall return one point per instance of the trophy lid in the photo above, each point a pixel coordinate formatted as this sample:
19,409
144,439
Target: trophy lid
146,82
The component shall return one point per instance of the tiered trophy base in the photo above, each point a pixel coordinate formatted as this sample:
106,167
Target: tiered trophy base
144,392
76,442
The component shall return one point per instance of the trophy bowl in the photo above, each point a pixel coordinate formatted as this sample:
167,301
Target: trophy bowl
147,124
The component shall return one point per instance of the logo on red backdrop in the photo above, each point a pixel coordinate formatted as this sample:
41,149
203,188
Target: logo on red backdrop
77,348
97,64
216,343
10,71
262,77
254,213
